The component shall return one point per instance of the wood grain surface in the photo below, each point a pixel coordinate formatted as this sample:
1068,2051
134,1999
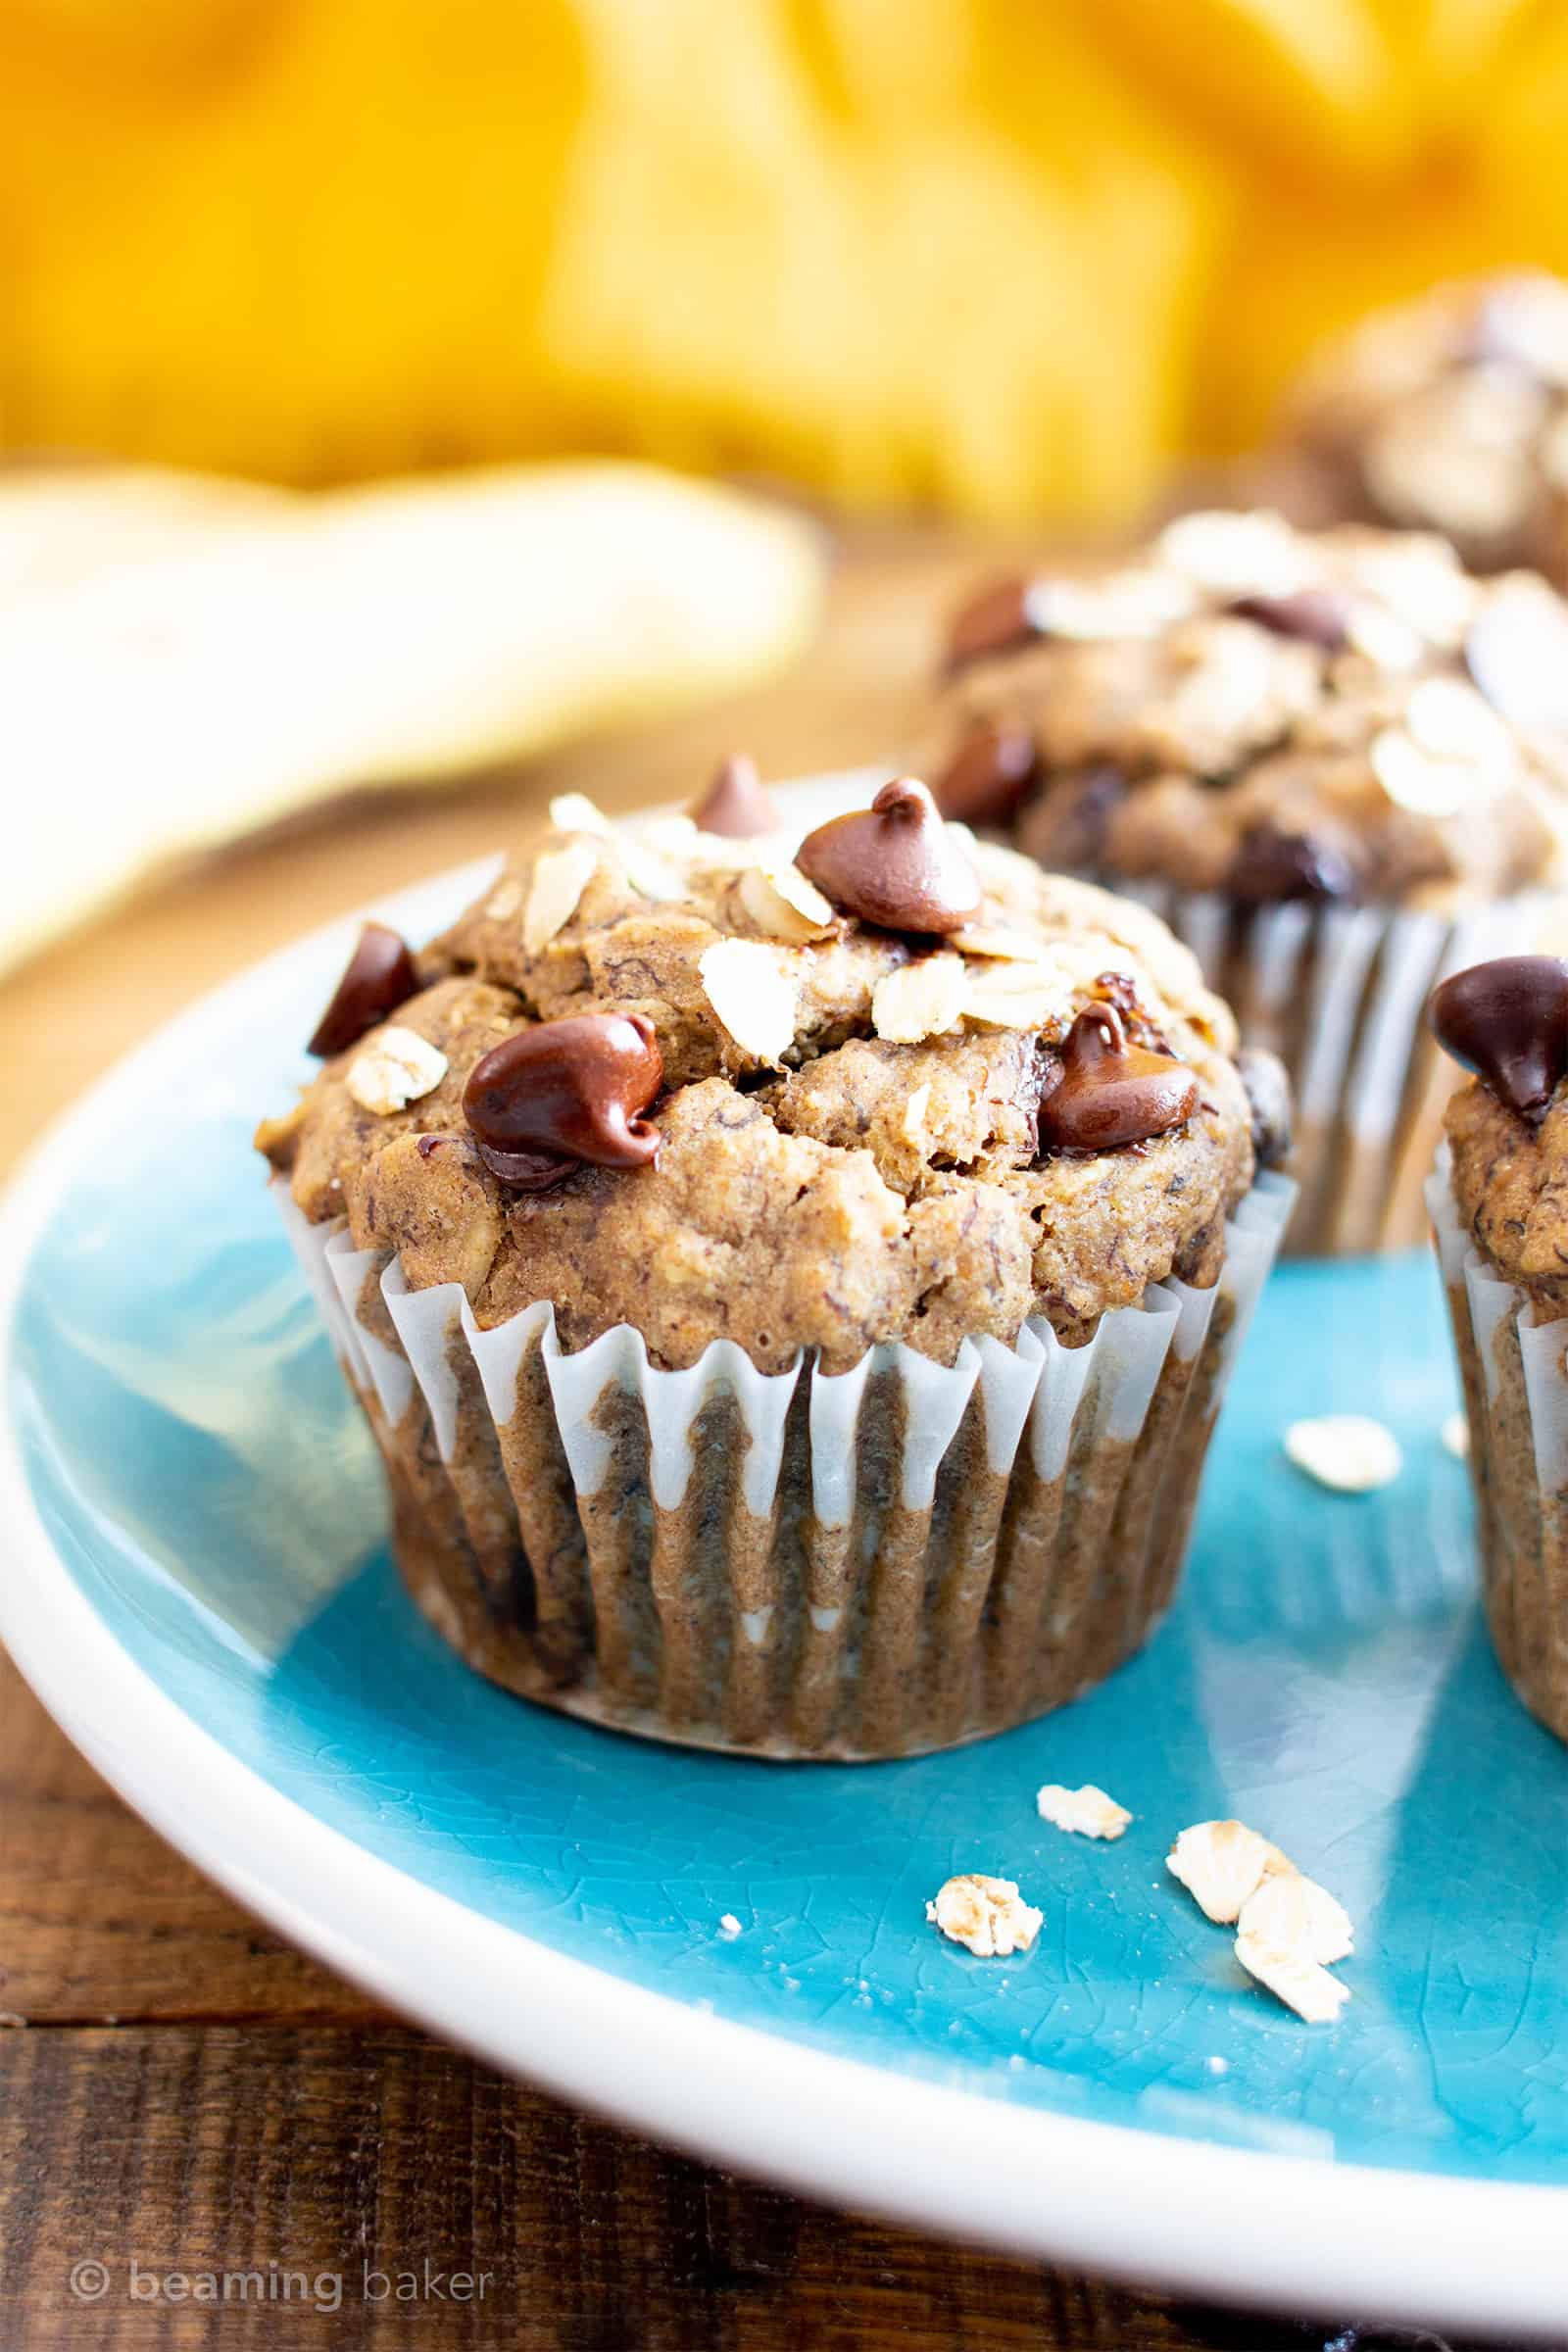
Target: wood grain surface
179,2090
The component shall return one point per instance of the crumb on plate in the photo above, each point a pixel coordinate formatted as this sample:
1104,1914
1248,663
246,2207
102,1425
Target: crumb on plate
1289,1928
1347,1451
1086,1812
988,1915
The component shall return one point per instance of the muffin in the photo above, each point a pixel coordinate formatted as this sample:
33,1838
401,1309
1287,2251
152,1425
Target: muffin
791,1283
1499,1211
1448,413
1320,756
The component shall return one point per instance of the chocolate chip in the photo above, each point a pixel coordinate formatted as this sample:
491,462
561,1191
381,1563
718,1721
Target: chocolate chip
1000,618
564,1091
377,978
1110,1093
528,1171
1507,1021
988,775
1120,989
1318,615
1079,811
895,863
1516,649
1271,866
736,804
1268,1097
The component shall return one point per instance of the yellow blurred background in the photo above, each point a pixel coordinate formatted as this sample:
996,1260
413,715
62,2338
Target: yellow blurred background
1008,257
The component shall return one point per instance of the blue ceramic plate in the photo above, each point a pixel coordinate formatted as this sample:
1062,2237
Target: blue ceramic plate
199,1586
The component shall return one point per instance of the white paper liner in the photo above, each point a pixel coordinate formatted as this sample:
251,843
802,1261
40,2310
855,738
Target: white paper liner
1515,1374
1340,993
1056,1423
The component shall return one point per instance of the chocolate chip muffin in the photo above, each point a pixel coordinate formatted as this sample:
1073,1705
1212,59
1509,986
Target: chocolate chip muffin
1448,413
1499,1211
791,1281
1325,759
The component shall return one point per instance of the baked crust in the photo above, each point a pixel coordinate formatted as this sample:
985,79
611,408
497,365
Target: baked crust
845,1191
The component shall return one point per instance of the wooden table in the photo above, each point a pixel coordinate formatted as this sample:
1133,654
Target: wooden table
179,2088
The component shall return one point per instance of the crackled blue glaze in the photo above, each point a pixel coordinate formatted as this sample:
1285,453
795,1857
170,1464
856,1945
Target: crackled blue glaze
1324,1676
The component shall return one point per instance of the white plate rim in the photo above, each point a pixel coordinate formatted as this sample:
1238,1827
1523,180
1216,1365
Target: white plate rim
1238,2225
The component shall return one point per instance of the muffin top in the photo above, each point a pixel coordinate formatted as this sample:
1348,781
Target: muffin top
885,1083
1269,712
1506,1023
1448,413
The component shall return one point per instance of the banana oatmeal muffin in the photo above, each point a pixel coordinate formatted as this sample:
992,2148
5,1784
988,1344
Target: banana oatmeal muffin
1499,1210
1446,414
1323,757
791,1282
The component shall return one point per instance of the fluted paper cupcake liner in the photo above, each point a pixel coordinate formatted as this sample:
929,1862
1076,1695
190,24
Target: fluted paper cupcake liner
1340,994
872,1563
1515,1379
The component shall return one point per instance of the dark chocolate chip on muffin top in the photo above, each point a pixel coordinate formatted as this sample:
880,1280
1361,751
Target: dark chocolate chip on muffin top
1506,1024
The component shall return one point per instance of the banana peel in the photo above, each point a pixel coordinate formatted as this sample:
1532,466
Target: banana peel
185,660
